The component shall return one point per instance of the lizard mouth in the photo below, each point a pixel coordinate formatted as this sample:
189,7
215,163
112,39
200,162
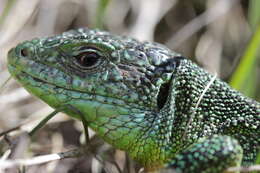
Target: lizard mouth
22,74
28,79
91,105
37,79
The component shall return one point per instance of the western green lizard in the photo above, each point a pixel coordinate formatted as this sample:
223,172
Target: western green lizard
141,97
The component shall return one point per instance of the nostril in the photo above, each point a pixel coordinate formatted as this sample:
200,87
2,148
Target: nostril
24,52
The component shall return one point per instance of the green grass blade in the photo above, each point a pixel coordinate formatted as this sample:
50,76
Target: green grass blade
6,10
254,13
257,162
4,84
245,75
258,159
102,4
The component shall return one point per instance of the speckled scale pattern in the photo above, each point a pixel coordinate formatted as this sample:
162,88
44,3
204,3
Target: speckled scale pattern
141,97
221,111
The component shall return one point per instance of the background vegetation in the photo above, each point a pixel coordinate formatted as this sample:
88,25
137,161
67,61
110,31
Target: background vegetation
223,36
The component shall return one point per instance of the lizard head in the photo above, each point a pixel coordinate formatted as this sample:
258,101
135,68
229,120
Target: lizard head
99,74
95,64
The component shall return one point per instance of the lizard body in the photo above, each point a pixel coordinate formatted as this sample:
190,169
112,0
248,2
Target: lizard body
143,98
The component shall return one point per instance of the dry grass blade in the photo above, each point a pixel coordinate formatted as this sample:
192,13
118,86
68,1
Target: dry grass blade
5,155
244,169
221,8
10,130
143,8
41,159
9,27
4,84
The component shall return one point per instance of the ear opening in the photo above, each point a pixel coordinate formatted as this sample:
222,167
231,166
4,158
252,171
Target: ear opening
163,94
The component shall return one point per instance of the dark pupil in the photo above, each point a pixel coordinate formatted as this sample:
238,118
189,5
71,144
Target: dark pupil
88,59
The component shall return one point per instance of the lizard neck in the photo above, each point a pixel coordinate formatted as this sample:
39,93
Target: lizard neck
139,134
221,110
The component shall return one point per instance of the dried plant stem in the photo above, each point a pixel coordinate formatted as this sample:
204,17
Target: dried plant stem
220,8
4,84
244,169
41,159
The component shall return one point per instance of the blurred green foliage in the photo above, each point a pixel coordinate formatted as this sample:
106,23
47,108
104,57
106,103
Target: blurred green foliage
257,162
254,13
245,77
6,10
101,9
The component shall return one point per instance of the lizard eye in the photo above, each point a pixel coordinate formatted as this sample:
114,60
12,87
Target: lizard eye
88,58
